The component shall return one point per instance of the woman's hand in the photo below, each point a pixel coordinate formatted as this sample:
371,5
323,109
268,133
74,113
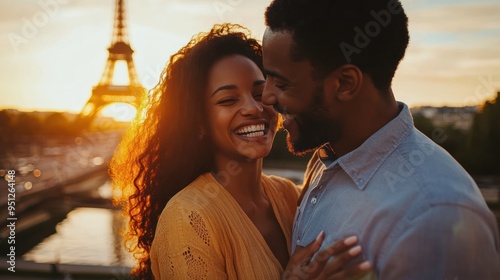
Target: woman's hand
301,266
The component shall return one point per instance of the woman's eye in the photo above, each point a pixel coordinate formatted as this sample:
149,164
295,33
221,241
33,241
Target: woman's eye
227,101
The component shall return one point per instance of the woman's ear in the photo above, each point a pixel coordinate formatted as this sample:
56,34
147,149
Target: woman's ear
344,83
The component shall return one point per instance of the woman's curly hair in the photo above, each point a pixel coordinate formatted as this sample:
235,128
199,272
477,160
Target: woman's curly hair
162,151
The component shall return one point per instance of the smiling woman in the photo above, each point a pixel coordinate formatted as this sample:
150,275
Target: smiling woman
205,127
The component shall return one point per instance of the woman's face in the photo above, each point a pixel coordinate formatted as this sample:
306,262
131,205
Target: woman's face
239,124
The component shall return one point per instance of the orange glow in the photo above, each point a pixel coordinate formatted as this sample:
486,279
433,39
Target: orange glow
37,173
119,111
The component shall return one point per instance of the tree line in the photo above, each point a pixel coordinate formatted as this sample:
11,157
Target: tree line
20,130
477,149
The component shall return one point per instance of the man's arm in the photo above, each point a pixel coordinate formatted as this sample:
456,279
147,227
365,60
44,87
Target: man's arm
446,242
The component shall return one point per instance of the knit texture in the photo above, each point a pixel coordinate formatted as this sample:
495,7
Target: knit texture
204,234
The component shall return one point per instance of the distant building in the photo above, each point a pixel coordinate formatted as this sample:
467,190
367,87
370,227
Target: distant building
459,117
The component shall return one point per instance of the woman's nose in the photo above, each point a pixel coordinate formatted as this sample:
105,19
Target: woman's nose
252,107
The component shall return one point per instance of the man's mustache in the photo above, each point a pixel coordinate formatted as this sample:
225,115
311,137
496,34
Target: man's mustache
279,109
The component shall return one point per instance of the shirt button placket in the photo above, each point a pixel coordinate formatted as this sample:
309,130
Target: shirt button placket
314,200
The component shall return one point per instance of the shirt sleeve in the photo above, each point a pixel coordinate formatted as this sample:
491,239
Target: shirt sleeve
444,242
185,248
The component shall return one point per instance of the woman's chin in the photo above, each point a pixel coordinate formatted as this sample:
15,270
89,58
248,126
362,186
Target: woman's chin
254,153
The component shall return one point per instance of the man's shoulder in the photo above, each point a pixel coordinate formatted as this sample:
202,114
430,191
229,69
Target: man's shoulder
419,147
430,174
427,161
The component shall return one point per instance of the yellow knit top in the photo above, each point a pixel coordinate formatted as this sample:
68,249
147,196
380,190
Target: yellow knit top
204,234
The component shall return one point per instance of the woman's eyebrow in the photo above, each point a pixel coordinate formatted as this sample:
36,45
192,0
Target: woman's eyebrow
229,87
225,87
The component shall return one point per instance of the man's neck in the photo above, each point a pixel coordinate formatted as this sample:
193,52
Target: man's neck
368,119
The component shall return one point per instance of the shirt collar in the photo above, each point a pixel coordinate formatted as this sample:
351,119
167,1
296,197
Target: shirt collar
361,163
326,154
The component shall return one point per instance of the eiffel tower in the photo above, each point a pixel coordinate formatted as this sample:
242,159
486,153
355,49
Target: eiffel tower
105,92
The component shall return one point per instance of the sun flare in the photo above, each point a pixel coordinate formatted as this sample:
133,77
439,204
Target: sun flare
121,112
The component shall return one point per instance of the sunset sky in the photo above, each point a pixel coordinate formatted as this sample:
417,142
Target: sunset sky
53,51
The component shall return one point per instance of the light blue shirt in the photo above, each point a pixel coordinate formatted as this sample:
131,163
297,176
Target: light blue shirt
416,211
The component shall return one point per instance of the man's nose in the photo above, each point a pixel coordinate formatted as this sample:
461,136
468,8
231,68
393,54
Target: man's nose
268,96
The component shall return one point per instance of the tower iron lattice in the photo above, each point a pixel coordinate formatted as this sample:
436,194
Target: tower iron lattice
105,92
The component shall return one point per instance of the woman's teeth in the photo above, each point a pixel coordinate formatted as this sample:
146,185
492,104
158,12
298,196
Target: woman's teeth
251,130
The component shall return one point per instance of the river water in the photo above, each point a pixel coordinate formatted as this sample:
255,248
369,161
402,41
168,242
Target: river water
89,236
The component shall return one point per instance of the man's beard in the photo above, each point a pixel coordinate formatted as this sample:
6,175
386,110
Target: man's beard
315,128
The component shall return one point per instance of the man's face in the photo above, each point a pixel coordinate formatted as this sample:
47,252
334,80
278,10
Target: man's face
292,90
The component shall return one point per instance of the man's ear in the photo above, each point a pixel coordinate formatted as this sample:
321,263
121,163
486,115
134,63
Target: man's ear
344,82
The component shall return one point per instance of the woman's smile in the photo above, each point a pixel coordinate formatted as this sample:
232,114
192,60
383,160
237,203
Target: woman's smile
253,132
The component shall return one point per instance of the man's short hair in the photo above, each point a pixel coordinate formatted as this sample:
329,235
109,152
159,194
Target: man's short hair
371,34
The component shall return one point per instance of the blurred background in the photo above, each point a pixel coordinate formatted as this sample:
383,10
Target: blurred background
73,71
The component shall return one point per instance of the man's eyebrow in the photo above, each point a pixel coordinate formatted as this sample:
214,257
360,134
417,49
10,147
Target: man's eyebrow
275,75
259,82
226,87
